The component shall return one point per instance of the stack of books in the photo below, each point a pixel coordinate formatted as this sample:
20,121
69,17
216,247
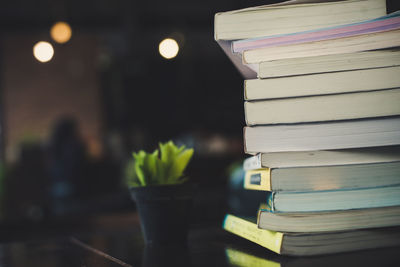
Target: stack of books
322,108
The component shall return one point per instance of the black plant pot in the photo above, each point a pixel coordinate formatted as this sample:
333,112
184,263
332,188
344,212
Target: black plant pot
164,212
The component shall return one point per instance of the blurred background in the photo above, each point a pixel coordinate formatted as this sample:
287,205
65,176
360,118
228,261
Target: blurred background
85,83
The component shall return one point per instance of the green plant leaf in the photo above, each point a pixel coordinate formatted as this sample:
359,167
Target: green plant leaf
139,163
131,178
168,155
180,163
164,166
167,152
149,167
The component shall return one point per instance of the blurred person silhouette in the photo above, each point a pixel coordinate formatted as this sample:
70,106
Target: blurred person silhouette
80,183
67,160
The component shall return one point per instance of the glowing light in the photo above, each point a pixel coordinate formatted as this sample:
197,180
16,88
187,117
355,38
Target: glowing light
61,32
168,48
43,51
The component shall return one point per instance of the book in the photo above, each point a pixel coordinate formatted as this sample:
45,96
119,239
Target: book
344,220
332,200
327,63
335,107
322,136
384,23
323,157
244,255
372,79
358,43
307,244
293,16
337,177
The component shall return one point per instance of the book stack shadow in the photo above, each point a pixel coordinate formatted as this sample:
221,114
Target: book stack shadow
322,109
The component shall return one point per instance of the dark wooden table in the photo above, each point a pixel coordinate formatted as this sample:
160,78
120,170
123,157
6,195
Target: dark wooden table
116,240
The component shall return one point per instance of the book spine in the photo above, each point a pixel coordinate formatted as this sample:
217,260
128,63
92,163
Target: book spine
252,163
250,231
259,179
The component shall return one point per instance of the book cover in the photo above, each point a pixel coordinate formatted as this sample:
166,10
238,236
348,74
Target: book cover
293,16
259,179
384,23
249,230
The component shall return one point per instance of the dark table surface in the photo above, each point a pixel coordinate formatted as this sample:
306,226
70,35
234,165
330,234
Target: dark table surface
116,240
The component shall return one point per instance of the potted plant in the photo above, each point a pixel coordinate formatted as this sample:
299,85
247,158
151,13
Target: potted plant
162,194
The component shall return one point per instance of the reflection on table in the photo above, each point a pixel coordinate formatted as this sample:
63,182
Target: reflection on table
117,241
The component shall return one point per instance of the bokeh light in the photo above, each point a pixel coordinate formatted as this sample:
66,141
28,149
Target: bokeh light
168,48
61,32
43,51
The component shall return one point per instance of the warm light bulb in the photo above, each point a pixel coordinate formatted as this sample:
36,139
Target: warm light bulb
168,48
43,51
61,32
